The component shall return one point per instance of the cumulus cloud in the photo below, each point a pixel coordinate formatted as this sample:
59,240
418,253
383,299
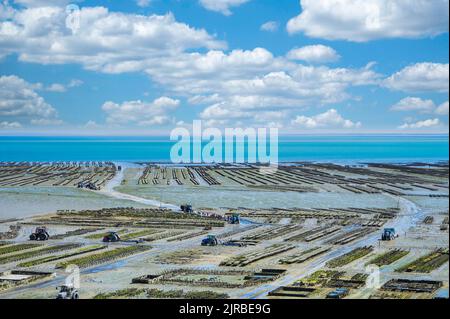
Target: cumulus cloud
257,72
365,20
186,62
61,88
420,77
6,12
143,3
314,53
9,125
414,104
57,87
283,92
92,125
45,3
442,109
141,113
222,6
19,100
329,119
270,26
426,124
75,83
106,41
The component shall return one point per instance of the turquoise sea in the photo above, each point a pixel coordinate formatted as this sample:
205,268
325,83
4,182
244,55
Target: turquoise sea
340,149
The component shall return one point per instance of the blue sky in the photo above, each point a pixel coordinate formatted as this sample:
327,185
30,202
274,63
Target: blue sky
145,67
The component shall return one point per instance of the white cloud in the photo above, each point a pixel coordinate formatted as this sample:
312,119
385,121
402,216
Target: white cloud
431,123
270,26
75,83
283,92
314,53
184,61
420,77
106,41
329,119
57,87
46,122
365,20
442,109
45,3
143,3
141,113
19,100
233,94
222,6
6,12
61,88
92,125
414,104
9,125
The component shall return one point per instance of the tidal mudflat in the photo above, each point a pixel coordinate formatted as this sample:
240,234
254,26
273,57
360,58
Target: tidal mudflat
302,232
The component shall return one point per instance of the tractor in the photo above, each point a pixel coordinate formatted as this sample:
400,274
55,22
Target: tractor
211,240
339,293
389,234
186,209
112,237
40,234
66,292
234,219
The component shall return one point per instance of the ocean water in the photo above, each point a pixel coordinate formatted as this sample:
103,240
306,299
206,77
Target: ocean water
340,149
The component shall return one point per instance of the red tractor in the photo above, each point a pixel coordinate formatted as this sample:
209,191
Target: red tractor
40,234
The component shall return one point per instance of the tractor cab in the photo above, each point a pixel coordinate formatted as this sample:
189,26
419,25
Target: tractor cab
211,240
112,237
339,293
187,209
389,234
234,219
67,292
40,234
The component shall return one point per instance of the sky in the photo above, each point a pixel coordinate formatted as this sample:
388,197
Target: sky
141,67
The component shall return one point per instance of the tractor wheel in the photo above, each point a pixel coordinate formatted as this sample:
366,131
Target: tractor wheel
75,296
33,237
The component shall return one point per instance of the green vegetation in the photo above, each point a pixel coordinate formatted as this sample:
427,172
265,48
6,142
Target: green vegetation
319,278
181,257
131,212
164,235
161,294
103,257
44,260
8,249
101,235
141,233
388,258
427,263
121,294
77,232
349,257
188,295
37,252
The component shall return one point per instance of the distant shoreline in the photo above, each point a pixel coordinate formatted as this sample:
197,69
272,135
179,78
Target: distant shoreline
130,163
347,150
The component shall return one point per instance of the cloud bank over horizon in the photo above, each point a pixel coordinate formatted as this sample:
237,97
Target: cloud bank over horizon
193,72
